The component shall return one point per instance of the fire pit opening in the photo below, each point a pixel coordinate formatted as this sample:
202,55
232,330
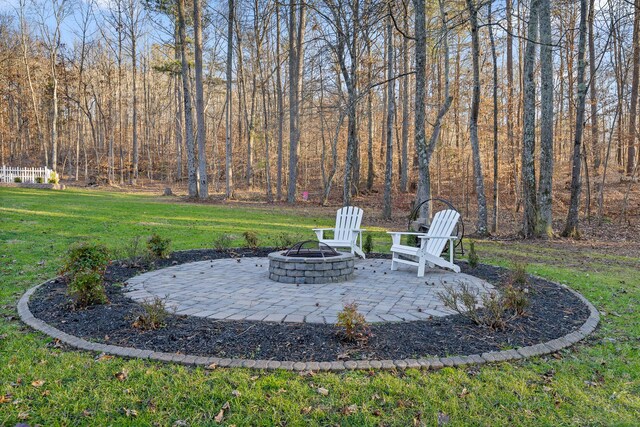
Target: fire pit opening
311,249
310,262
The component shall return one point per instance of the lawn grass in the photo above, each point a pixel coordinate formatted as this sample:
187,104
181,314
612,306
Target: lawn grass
594,383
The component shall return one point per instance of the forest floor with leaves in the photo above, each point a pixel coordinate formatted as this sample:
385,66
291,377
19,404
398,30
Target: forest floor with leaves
596,382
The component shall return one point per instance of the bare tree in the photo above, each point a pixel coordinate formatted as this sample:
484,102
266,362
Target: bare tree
203,187
229,107
391,106
529,125
188,114
297,24
635,80
571,227
544,226
494,58
481,227
50,21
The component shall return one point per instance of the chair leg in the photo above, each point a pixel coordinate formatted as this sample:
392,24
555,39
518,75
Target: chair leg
421,267
394,264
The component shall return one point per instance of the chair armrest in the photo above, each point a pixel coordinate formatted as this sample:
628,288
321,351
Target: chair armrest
358,230
397,235
322,229
439,237
402,233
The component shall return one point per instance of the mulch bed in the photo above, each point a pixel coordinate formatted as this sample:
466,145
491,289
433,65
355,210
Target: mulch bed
553,312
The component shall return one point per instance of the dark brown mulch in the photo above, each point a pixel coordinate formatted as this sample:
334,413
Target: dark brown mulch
553,312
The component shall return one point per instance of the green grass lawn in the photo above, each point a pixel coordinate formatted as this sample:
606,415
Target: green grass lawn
594,383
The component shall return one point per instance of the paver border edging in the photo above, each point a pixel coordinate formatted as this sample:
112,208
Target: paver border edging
425,363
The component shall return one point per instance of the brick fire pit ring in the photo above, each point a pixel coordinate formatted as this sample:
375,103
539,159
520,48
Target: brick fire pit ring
311,270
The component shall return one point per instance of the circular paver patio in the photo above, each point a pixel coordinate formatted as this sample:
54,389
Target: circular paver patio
239,289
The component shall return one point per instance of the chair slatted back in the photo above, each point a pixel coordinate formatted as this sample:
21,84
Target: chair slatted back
347,219
442,225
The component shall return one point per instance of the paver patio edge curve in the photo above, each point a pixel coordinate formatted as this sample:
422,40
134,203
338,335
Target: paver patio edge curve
425,363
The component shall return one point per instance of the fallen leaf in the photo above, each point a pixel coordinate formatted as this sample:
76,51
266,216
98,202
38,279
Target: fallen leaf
306,410
102,357
226,406
323,391
37,383
212,366
5,398
131,413
121,376
351,409
23,415
464,393
253,378
377,412
218,418
235,393
180,423
46,393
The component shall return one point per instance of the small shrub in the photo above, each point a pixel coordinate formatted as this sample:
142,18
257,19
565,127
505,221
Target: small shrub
132,250
17,180
251,238
473,256
498,309
352,324
158,246
54,178
519,274
39,180
222,241
368,244
153,315
516,299
85,265
284,241
85,257
87,288
493,313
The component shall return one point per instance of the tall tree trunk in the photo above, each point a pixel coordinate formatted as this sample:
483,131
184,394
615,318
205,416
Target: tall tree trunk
481,227
370,164
571,227
424,184
134,101
203,187
280,102
391,105
179,116
404,171
596,146
494,57
632,133
297,18
229,100
544,225
529,125
188,114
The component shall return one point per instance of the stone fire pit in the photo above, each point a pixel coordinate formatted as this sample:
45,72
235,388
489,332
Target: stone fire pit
310,262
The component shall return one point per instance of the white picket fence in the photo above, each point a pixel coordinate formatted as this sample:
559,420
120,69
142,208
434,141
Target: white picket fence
9,174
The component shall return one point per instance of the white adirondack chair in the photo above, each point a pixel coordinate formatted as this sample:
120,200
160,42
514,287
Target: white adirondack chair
347,232
431,244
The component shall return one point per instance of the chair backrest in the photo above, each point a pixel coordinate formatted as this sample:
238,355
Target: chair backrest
347,219
442,225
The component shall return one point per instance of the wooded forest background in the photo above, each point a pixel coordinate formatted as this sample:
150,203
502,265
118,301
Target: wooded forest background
526,106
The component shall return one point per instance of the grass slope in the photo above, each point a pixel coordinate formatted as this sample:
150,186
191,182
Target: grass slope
594,383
